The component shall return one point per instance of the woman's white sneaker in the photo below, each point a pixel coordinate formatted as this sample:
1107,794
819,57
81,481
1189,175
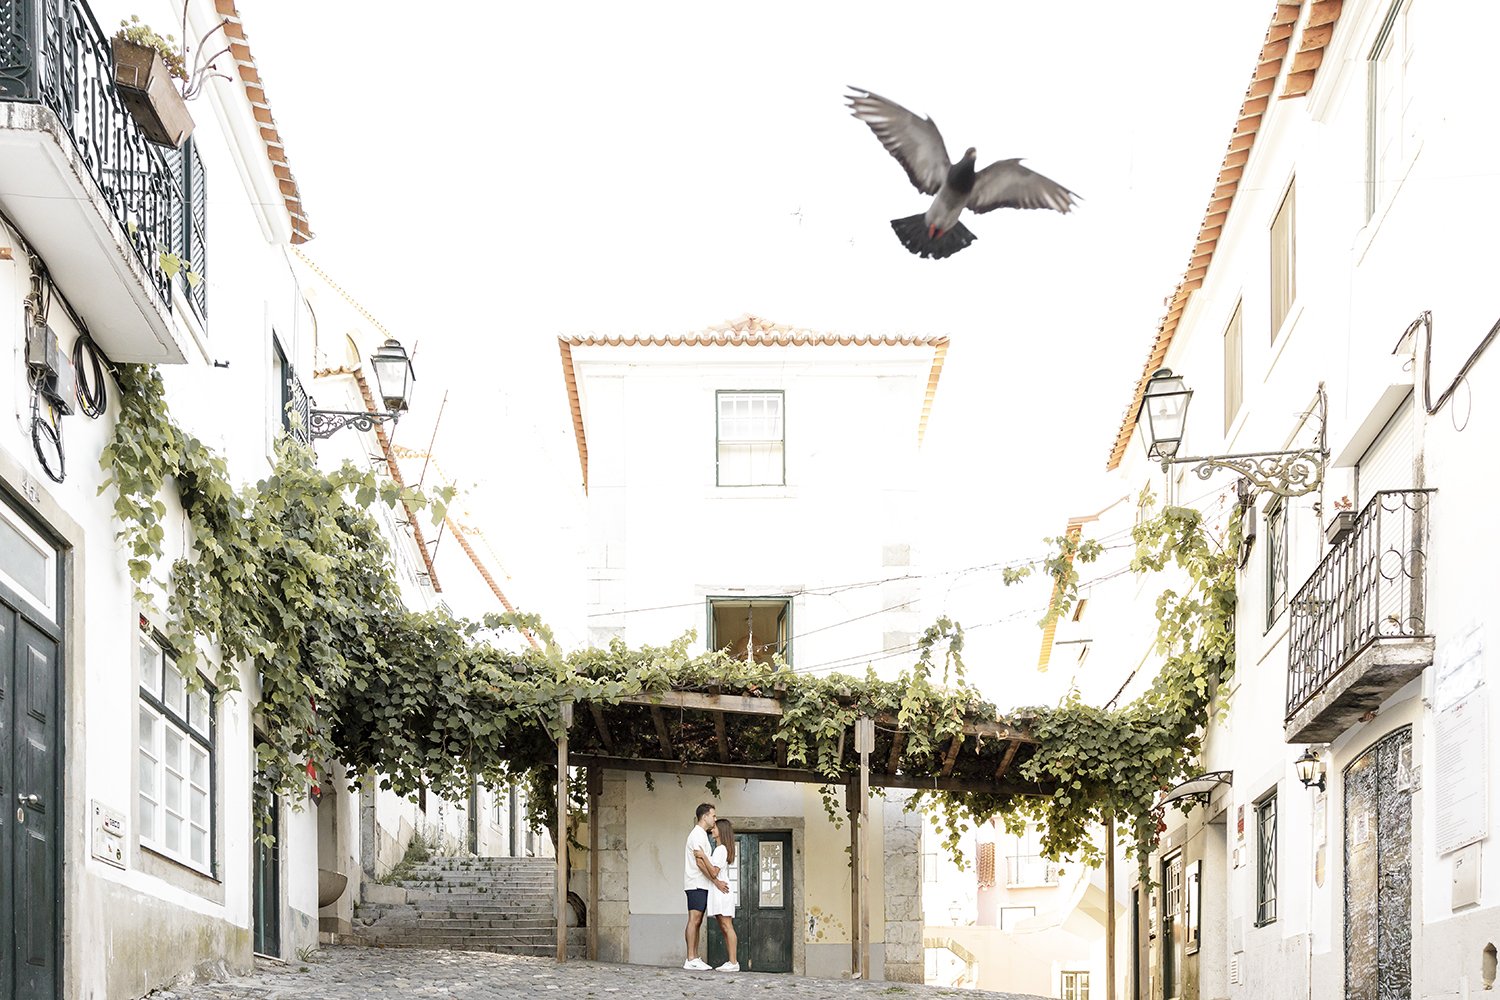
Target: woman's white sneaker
729,967
697,965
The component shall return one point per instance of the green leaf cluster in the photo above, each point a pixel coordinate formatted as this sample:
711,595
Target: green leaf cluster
286,587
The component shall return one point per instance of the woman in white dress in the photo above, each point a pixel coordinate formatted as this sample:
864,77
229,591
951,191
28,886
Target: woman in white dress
721,904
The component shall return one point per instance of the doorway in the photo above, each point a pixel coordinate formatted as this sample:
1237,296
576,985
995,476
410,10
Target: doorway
1377,871
267,886
30,755
762,876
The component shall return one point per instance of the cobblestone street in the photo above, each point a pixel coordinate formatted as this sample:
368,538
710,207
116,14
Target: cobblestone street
373,973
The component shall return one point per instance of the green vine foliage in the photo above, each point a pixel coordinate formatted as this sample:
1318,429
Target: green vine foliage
1110,763
288,582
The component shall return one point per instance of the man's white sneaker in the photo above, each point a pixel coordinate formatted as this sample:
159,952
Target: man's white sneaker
697,965
729,967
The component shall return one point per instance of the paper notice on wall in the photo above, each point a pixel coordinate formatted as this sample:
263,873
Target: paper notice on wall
1462,764
1458,667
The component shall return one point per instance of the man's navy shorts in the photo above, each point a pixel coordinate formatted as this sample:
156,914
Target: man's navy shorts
697,900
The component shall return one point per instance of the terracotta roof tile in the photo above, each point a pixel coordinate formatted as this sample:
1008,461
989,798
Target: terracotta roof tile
747,331
249,74
1322,16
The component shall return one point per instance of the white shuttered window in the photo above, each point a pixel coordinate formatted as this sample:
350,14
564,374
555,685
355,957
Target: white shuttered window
752,438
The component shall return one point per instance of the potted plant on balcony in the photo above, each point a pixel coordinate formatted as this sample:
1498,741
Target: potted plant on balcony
1342,522
146,66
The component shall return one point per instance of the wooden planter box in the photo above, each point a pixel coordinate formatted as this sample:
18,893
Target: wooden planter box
149,94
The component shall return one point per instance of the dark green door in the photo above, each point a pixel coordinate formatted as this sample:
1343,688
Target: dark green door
268,888
763,915
30,877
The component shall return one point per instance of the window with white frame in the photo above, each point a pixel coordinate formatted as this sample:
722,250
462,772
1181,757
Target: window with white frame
1234,368
1390,123
1265,860
751,438
1012,916
1075,986
1277,563
174,802
1284,259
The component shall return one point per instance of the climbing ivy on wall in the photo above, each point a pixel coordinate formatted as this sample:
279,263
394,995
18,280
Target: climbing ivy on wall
286,585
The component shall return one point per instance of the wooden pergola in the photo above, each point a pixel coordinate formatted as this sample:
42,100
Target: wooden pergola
732,736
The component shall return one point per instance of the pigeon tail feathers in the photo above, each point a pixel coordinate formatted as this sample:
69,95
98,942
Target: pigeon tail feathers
912,232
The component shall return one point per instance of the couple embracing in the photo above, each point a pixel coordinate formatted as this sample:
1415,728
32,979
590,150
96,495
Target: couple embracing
707,883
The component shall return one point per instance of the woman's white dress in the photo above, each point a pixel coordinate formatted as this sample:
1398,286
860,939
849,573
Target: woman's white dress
721,904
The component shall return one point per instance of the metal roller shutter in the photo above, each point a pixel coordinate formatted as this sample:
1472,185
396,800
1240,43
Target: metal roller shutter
1387,463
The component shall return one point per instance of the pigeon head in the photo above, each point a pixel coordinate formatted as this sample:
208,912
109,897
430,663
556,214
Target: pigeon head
969,153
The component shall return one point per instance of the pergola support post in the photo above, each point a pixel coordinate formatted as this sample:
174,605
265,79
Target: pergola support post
596,789
565,714
852,805
864,744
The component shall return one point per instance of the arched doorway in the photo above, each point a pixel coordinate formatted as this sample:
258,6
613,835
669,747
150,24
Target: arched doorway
1377,871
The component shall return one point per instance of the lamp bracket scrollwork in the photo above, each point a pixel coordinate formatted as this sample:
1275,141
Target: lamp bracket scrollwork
326,423
1293,473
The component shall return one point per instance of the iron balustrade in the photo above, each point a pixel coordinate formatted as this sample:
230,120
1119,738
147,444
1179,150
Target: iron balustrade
1031,869
1372,585
53,53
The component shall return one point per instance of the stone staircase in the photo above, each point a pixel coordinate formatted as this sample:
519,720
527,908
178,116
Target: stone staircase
468,904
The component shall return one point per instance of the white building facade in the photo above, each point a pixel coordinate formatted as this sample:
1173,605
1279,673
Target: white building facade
755,484
1332,269
126,853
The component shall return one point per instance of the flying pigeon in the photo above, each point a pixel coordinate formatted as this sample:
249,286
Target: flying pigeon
918,146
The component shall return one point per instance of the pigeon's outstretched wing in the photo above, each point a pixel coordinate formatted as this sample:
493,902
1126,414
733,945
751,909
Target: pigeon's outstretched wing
1007,184
915,142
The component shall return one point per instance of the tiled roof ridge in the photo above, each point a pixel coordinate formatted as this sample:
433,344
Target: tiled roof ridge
255,92
747,331
1321,20
751,331
343,293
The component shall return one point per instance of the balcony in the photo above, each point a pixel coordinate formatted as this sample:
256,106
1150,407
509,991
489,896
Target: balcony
1022,870
93,196
1358,627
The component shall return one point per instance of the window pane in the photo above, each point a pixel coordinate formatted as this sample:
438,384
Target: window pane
148,732
198,706
174,689
199,851
25,562
199,766
173,839
147,768
150,666
1234,381
771,891
145,817
199,812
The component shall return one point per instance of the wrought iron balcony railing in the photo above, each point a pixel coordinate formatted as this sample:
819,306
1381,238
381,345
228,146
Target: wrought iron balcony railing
1031,869
53,53
1372,585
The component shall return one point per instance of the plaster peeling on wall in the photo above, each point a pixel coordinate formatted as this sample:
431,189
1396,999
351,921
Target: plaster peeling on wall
821,925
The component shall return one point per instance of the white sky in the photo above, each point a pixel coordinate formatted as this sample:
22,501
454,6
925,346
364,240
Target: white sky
485,176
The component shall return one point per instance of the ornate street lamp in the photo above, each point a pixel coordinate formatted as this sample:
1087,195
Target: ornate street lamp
1163,415
393,381
1311,770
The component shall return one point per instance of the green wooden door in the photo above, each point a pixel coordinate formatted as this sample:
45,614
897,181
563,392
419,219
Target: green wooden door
30,895
763,915
267,887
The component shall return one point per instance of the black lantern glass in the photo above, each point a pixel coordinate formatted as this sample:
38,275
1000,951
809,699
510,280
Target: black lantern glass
393,375
1310,769
1164,407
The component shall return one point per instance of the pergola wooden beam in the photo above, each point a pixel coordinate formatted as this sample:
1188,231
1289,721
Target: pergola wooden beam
662,736
598,713
762,772
898,743
1010,755
723,736
738,704
951,757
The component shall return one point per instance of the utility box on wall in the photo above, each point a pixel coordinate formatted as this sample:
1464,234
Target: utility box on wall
108,835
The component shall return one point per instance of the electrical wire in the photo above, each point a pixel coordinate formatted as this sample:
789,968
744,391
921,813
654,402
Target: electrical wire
92,399
45,435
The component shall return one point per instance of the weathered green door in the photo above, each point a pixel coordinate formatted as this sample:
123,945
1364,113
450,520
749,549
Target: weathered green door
30,876
1377,871
267,888
763,915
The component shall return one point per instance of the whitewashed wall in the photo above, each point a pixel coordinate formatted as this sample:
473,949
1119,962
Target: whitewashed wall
1359,283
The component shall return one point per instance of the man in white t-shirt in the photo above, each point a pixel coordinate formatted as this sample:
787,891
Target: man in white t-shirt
698,878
